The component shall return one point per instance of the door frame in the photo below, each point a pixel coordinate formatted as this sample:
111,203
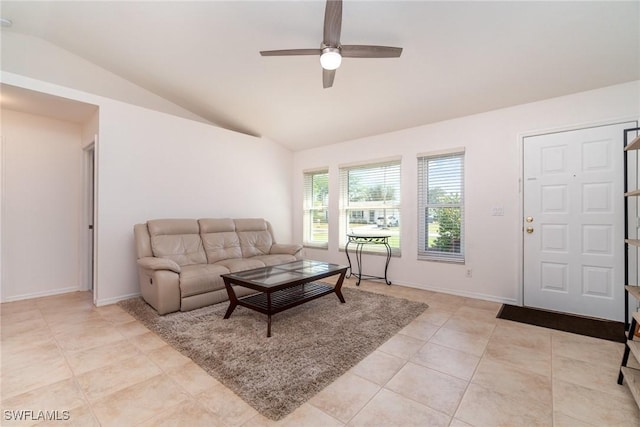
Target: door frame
2,214
89,205
633,272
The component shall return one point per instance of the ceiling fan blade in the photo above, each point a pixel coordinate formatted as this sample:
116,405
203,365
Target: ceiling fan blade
327,78
362,51
290,52
332,23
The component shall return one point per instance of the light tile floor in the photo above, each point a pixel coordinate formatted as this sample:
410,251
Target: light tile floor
455,365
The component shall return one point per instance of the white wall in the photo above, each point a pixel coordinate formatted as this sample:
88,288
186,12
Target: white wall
41,197
493,170
155,165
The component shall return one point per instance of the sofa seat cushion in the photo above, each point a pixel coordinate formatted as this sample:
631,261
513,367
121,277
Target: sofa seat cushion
201,278
289,249
274,259
240,264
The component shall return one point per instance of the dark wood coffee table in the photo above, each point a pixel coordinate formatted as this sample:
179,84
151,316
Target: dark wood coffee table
281,287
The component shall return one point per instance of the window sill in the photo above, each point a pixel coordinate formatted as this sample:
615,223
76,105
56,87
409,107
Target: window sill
316,245
442,259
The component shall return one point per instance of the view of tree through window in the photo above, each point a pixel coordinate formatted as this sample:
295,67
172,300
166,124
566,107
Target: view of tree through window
370,201
316,214
441,207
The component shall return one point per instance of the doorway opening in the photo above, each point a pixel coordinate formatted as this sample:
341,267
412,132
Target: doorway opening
88,221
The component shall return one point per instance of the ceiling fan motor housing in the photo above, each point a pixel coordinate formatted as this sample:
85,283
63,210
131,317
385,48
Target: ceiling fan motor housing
330,59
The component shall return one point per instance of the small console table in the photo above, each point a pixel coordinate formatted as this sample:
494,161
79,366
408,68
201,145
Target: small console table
360,240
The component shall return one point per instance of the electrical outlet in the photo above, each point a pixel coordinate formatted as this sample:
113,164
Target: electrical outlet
469,272
497,211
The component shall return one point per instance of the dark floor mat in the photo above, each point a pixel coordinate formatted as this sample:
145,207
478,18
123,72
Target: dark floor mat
604,329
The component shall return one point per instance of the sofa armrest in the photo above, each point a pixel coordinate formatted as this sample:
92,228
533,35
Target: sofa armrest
289,249
153,263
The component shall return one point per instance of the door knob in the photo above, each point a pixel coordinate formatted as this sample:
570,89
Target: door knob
529,230
529,219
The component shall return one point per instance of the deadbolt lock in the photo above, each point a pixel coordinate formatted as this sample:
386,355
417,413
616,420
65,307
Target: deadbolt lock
529,230
529,219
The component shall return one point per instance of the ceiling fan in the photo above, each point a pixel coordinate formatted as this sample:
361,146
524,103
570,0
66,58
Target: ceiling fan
331,51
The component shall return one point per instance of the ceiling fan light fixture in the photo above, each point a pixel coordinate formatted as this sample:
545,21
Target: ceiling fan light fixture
330,59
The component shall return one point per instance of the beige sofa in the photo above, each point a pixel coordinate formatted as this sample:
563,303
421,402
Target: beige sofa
180,260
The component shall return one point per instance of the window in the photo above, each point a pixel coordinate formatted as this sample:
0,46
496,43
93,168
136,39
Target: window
441,207
370,201
316,214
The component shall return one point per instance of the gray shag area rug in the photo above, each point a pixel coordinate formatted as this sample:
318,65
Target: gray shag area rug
311,344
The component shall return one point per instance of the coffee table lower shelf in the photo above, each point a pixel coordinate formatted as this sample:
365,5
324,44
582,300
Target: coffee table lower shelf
285,298
270,303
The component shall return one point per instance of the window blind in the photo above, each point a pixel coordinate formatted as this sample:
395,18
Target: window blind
316,209
441,207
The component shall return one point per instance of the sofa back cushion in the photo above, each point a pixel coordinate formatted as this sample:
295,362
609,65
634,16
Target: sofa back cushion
255,238
178,240
220,239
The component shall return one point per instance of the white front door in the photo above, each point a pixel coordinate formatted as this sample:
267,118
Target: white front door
574,222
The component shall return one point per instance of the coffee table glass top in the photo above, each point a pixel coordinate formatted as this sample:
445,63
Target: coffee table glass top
285,273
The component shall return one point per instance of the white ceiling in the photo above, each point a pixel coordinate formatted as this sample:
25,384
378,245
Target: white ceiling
459,58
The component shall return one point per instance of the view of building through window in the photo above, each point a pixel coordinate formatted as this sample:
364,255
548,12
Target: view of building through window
370,201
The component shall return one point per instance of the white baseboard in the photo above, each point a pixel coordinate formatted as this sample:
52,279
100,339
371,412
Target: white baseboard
475,295
114,300
47,293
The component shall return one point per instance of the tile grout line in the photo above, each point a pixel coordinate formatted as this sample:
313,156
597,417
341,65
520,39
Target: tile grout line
382,386
163,372
475,370
74,377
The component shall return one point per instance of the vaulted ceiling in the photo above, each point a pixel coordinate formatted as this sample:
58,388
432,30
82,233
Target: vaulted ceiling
459,58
